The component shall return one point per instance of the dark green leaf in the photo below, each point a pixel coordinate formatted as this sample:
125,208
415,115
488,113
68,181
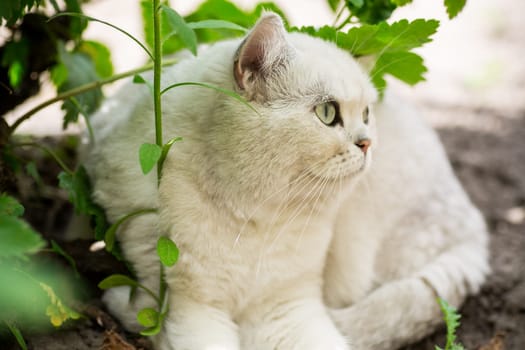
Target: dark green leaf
180,28
10,206
138,79
149,154
32,171
100,55
81,70
151,331
148,317
334,4
117,281
357,3
167,251
454,7
371,11
78,188
17,238
78,24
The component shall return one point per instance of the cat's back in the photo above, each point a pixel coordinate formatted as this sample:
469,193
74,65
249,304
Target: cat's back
126,120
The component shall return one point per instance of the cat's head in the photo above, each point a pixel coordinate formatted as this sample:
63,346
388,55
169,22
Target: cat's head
315,120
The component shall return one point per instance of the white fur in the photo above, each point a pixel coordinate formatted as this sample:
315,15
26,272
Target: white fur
274,212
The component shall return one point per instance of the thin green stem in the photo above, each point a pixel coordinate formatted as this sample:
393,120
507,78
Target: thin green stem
339,14
157,60
75,14
81,89
49,151
150,292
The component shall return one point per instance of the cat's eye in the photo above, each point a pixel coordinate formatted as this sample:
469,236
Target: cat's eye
366,112
327,112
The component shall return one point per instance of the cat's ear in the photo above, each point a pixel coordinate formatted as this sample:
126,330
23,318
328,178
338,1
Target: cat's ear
261,53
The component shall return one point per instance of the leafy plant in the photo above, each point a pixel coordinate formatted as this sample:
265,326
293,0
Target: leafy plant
451,317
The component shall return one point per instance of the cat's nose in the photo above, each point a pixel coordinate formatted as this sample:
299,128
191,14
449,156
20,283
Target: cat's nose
364,144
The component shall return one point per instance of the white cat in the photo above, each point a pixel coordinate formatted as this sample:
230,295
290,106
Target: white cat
282,214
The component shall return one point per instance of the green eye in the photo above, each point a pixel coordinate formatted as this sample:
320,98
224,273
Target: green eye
326,112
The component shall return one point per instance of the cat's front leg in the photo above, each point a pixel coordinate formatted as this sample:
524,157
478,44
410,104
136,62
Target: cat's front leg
191,325
294,325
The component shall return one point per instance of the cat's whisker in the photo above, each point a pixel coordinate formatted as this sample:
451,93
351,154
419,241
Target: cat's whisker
312,209
280,210
302,204
303,175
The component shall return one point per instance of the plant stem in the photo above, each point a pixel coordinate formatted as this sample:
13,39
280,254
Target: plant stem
157,61
49,151
76,91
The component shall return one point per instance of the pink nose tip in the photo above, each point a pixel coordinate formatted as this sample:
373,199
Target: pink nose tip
364,144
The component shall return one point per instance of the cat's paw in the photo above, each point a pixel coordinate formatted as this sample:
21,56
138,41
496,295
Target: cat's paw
120,305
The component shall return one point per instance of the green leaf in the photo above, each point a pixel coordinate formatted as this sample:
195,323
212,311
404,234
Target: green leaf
16,73
216,24
179,27
100,55
78,187
398,36
139,79
454,7
79,23
32,171
167,251
334,4
451,317
166,148
148,332
406,66
59,74
357,3
148,317
10,206
401,2
149,154
117,280
371,11
17,238
81,70
17,334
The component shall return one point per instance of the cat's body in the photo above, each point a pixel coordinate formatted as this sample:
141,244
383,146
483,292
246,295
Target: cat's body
256,201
